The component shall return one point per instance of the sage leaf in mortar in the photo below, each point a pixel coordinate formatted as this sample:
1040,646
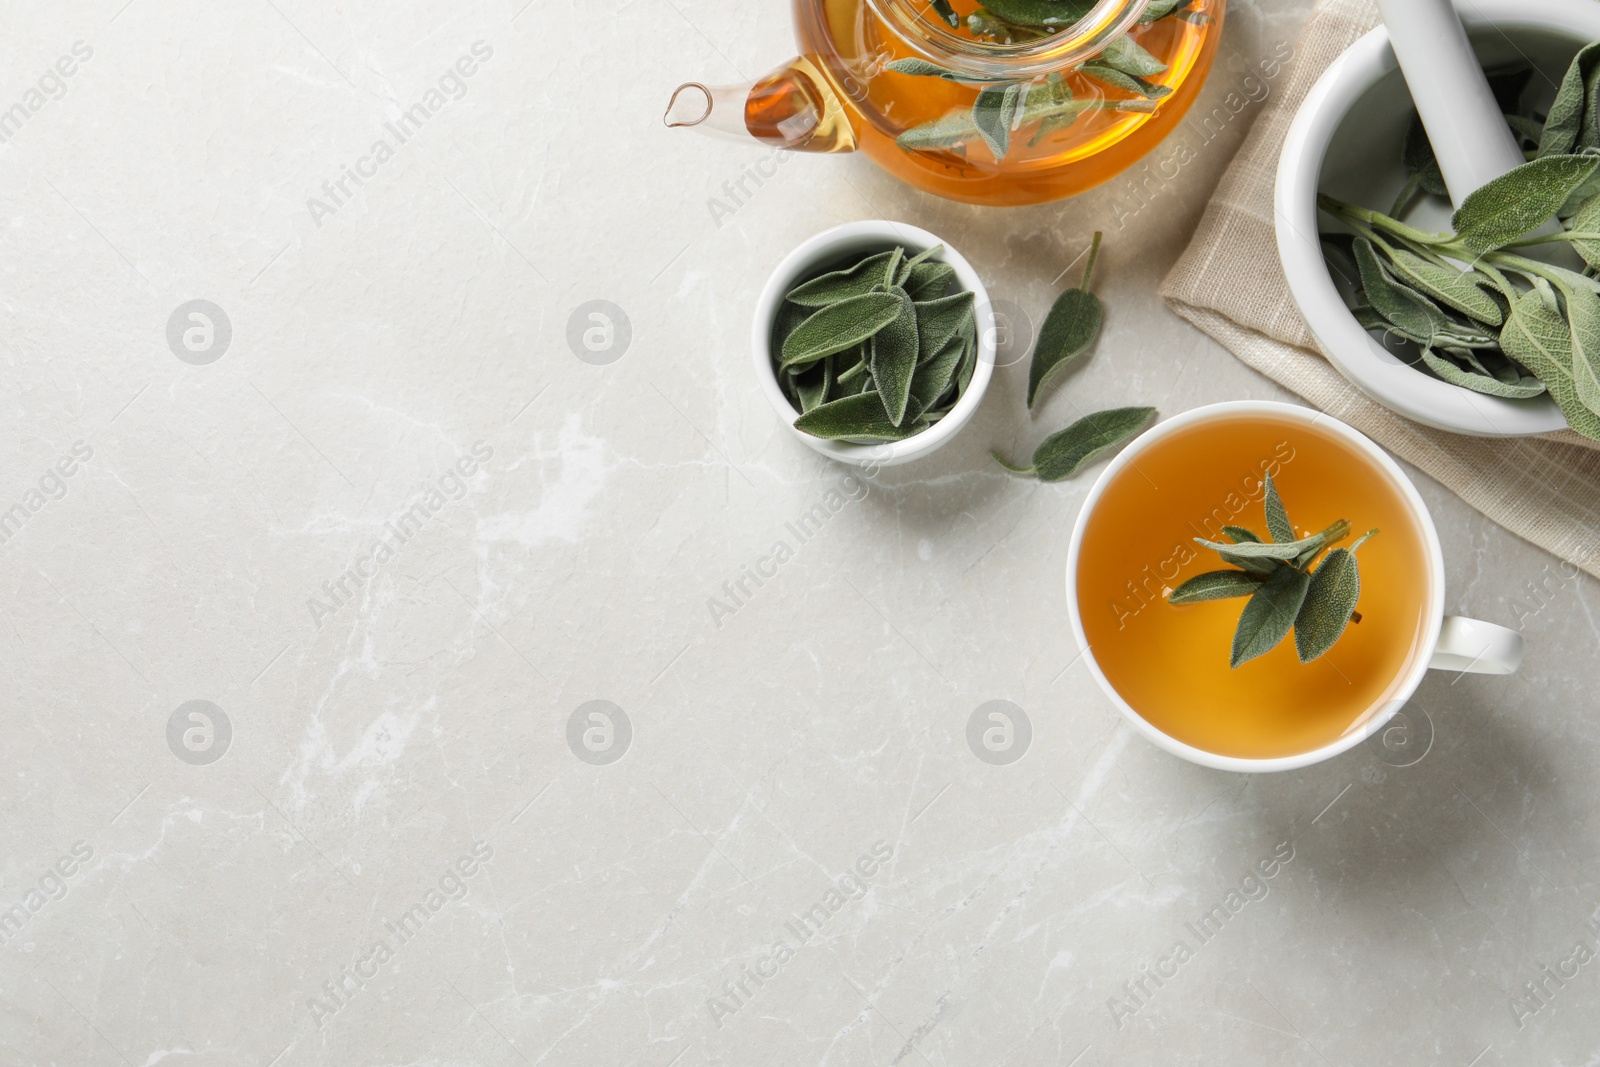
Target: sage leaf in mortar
1489,385
1461,290
838,326
1539,338
1564,125
833,287
1519,200
1414,314
1587,220
1215,585
1583,321
1068,331
1065,452
894,358
1269,615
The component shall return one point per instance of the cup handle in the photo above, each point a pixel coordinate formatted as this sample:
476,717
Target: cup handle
1472,646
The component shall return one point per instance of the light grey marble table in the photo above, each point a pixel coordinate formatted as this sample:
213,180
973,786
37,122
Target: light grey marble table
372,842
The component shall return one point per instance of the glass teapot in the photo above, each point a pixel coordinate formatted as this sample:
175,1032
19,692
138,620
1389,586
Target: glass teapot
1004,102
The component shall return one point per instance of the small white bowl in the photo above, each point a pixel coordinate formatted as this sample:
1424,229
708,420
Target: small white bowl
1346,141
825,251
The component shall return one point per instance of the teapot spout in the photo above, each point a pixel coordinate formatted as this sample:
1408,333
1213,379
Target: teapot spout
792,108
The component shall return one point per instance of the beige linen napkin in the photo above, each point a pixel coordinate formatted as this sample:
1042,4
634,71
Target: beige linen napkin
1228,283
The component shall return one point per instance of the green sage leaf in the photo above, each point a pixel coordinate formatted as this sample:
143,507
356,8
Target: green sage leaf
1270,614
784,322
1285,550
1240,535
941,319
1481,383
894,357
1583,322
1419,159
1329,602
839,326
1100,70
1125,55
1412,314
1069,330
839,285
904,274
1065,452
1278,524
861,417
932,378
1160,9
929,280
1215,585
1520,200
993,112
1587,220
1538,337
1564,126
1454,288
811,384
1039,13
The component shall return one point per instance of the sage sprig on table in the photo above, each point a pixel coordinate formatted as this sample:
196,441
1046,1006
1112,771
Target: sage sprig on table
1285,592
1481,314
877,350
1066,452
1069,332
1004,107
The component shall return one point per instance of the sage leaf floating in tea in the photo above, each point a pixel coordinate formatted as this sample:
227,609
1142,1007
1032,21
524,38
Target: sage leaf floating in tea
1216,585
876,351
1269,615
1278,524
1068,331
1285,592
1065,452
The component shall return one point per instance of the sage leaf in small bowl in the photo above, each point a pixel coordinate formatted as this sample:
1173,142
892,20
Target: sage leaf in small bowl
877,348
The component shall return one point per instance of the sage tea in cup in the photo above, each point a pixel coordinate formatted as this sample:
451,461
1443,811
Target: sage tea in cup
1171,663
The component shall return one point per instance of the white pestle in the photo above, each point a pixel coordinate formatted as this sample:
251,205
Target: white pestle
1470,138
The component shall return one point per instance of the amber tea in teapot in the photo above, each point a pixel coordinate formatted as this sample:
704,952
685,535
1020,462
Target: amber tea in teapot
1006,102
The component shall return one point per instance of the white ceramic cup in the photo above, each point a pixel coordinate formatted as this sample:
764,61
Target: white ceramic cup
825,251
1446,643
1345,140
